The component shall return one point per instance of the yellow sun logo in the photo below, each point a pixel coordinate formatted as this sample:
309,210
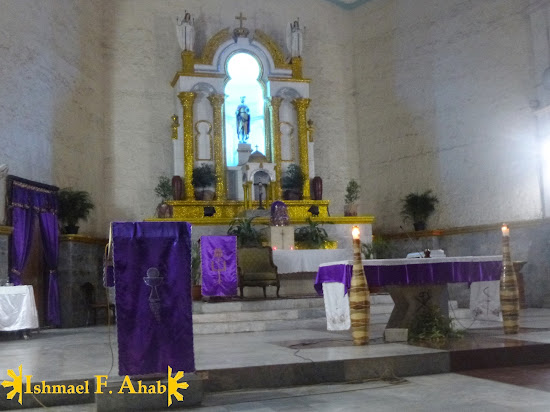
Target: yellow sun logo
17,384
173,386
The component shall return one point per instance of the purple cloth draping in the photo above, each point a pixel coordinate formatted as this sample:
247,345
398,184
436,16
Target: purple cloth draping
152,267
219,265
28,201
412,274
49,229
22,221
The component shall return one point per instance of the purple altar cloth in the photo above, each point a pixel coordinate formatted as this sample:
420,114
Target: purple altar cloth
219,265
414,271
152,268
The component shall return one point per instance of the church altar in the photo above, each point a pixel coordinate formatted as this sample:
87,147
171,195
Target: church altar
301,261
413,283
243,91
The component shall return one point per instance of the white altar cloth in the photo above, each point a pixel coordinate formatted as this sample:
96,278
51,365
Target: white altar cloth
307,260
17,308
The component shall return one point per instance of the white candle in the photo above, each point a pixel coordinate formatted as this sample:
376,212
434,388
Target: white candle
505,230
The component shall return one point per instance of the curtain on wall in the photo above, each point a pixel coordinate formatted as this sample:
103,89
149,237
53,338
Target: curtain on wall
28,201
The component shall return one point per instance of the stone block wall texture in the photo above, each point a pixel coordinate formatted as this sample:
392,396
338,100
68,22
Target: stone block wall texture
79,262
52,102
4,253
443,92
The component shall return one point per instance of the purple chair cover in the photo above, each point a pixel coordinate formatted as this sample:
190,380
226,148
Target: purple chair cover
412,274
152,266
28,201
219,265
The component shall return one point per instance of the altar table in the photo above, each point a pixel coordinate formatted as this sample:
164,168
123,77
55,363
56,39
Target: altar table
307,260
17,308
413,283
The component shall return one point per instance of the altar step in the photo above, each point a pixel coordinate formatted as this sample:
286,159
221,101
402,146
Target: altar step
282,314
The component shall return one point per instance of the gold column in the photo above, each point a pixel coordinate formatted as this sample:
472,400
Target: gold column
275,121
216,101
188,62
301,105
296,63
187,99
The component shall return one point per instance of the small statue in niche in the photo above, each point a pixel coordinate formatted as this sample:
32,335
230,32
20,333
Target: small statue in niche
186,32
243,121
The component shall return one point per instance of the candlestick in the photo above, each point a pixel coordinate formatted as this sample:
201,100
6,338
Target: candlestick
509,294
359,295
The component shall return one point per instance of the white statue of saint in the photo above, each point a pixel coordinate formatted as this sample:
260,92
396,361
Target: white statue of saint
294,39
3,173
186,32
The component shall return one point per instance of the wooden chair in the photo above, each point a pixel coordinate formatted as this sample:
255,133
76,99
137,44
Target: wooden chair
256,268
92,306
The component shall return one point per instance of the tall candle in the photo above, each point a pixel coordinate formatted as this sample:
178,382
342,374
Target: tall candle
505,230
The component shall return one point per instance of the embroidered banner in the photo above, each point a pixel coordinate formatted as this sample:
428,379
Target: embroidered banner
152,268
219,265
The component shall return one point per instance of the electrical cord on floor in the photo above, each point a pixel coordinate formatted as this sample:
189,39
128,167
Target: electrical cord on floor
109,332
460,323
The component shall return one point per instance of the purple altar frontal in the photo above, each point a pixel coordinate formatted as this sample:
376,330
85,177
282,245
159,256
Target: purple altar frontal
413,272
152,272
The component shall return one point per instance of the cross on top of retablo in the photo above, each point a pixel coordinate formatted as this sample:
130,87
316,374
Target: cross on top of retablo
241,18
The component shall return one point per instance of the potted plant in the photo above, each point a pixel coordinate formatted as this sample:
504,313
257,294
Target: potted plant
352,195
247,234
379,248
203,176
418,207
312,236
196,277
74,205
292,182
164,191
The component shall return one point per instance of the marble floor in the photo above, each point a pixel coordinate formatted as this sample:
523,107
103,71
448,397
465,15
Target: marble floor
267,362
444,392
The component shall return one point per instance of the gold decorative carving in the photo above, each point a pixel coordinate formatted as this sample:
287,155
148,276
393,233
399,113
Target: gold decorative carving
275,107
301,105
83,239
6,230
212,46
216,101
187,99
188,62
175,125
288,79
296,64
209,133
193,211
273,49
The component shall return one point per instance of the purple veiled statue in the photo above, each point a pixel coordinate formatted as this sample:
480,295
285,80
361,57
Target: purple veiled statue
279,214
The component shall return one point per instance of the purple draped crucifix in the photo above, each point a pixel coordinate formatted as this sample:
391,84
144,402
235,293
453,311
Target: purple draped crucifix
219,265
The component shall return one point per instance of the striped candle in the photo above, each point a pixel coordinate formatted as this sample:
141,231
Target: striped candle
509,295
359,296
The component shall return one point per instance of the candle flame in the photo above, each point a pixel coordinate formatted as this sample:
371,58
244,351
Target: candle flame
355,232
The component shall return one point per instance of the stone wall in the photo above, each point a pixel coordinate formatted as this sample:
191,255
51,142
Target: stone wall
80,261
51,94
443,91
4,254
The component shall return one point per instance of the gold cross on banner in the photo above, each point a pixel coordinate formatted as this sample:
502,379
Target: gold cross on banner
241,18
